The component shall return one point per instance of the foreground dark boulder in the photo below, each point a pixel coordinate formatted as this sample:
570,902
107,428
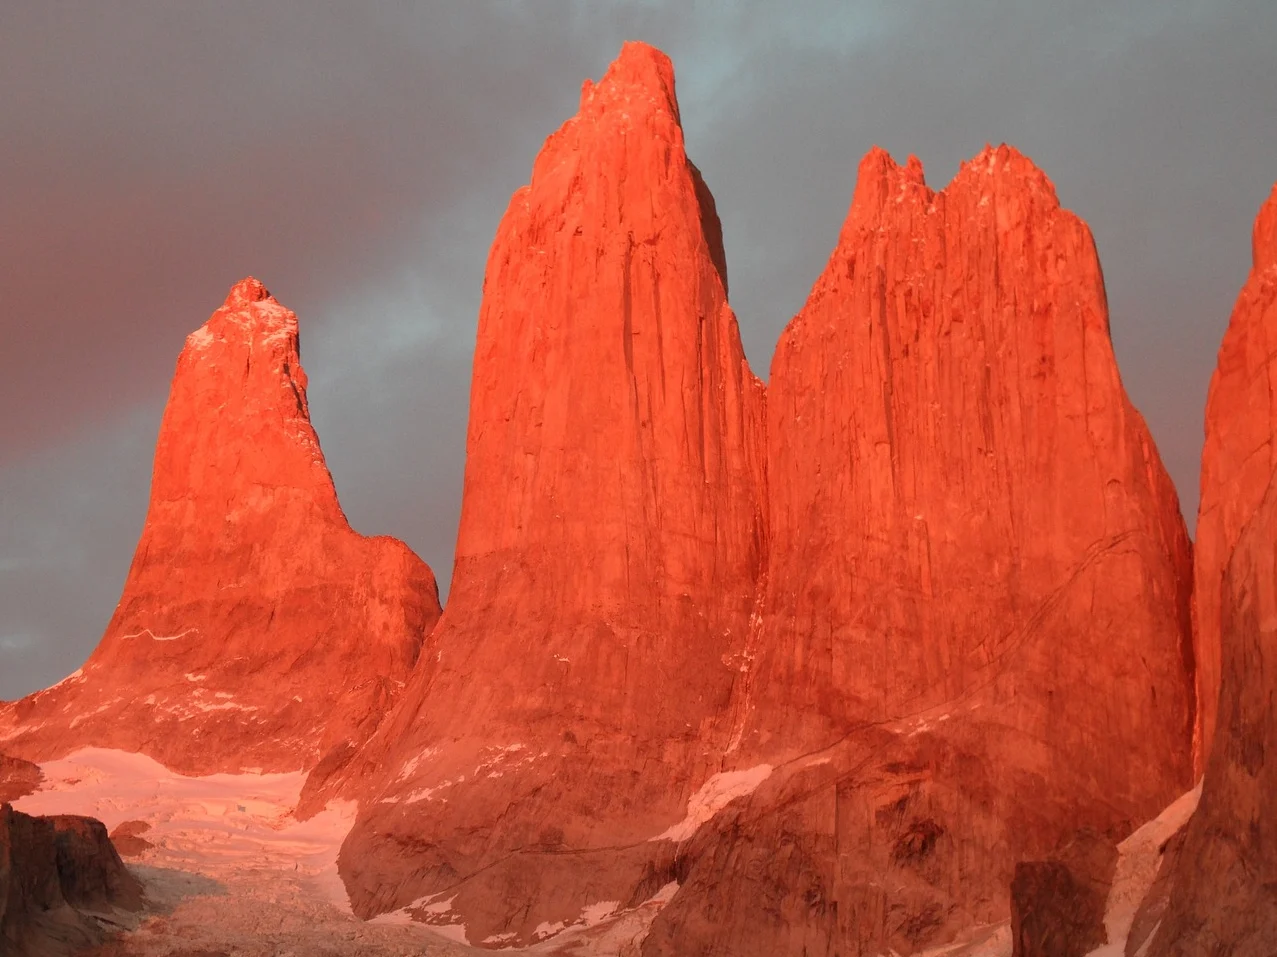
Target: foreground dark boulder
56,873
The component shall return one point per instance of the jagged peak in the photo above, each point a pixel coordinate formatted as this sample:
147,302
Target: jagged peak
252,312
879,162
640,76
1004,164
1264,237
247,290
881,183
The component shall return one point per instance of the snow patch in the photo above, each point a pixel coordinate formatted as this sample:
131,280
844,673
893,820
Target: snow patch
75,677
453,932
154,637
439,908
714,795
410,766
664,894
1139,856
201,338
429,912
546,929
184,713
79,718
593,914
425,794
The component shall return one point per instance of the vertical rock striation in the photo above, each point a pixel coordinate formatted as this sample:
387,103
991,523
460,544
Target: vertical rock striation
975,631
612,536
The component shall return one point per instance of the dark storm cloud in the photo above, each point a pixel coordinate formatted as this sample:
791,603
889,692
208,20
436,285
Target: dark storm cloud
358,158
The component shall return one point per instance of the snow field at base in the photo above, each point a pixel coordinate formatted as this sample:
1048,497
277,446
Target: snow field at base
222,825
233,868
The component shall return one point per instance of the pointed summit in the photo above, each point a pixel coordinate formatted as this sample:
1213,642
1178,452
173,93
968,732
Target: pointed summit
641,77
246,291
256,629
612,535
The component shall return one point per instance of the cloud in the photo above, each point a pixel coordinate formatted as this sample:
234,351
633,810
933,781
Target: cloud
358,160
71,517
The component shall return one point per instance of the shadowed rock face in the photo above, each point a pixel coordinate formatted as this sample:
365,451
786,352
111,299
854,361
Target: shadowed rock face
1223,896
1239,455
53,871
1057,905
17,777
612,534
975,634
256,629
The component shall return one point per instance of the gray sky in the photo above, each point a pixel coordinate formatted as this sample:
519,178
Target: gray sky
357,158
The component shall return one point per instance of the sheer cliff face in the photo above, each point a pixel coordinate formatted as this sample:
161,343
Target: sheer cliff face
960,490
1239,456
611,539
612,508
256,629
974,635
1222,895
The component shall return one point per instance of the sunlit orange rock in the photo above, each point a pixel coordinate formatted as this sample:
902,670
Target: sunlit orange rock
612,534
1239,456
256,628
975,629
1222,898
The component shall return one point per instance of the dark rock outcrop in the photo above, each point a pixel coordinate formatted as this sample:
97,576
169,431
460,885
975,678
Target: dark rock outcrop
18,778
55,874
1057,905
128,840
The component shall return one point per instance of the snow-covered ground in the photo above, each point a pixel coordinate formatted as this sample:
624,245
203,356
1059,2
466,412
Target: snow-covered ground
233,872
224,825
